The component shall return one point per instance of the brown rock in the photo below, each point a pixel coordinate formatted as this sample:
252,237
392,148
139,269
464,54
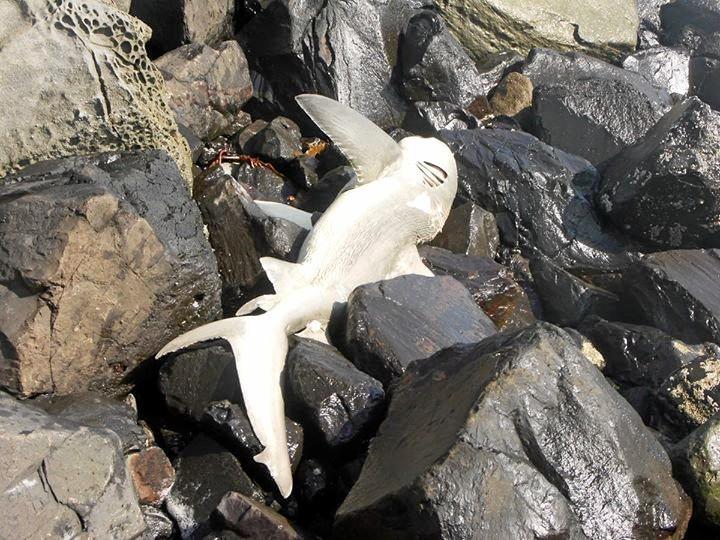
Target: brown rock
152,474
252,520
513,95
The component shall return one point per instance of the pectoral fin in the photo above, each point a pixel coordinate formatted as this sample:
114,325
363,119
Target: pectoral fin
368,148
284,275
408,261
288,213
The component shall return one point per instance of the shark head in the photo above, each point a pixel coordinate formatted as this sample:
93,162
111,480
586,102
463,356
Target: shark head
431,162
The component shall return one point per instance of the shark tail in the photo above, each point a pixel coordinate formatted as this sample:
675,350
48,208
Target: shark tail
259,345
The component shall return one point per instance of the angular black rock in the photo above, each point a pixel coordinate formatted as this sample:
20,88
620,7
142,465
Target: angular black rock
391,324
567,299
677,292
230,424
339,401
491,285
278,141
205,473
650,22
250,519
322,194
588,107
469,229
517,437
538,194
665,189
264,184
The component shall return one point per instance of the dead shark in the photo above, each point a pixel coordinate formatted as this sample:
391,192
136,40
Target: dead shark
402,196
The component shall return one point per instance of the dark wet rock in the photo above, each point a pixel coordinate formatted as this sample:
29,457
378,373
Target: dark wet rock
88,88
696,461
567,299
104,262
229,423
159,524
205,473
665,189
590,108
538,194
587,347
192,379
513,95
491,285
494,68
61,479
637,355
242,138
322,194
207,87
607,28
314,483
176,22
487,441
265,184
303,171
694,19
152,473
662,66
278,141
249,519
211,151
650,22
425,118
677,292
327,392
345,51
95,410
471,230
392,324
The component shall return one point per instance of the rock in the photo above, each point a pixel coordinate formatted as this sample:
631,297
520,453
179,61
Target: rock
471,230
320,196
488,441
207,87
607,29
192,379
391,324
152,474
587,348
95,410
205,473
690,22
427,117
327,392
676,291
278,141
176,22
249,519
492,286
106,261
588,107
314,484
159,525
705,79
650,22
345,51
637,355
662,66
665,189
264,184
513,95
62,480
567,299
242,138
88,86
538,194
230,423
697,462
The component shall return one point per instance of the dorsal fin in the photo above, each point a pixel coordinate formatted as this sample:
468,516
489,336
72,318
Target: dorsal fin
282,274
288,213
368,148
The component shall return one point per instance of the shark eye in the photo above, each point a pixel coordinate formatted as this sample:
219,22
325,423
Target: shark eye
433,176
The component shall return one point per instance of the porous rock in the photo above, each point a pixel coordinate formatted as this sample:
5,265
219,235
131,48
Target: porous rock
177,22
588,107
513,95
207,87
87,87
105,262
61,479
492,286
391,324
677,292
606,28
518,436
339,401
538,194
665,189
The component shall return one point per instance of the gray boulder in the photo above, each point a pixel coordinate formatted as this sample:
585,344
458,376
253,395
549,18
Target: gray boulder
105,262
664,67
519,436
61,479
87,87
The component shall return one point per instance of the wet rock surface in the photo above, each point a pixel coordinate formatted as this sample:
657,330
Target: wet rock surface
153,475
250,519
340,402
117,232
664,189
464,427
392,324
471,230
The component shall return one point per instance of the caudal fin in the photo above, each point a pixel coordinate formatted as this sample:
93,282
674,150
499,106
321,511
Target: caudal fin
259,345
